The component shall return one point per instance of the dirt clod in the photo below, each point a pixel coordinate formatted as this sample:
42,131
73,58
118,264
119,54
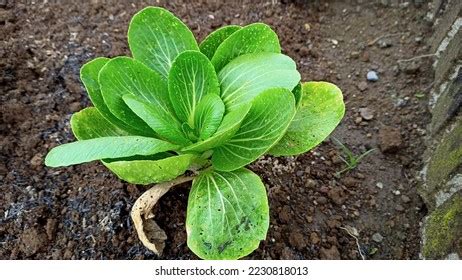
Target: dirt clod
411,67
314,238
287,254
50,228
321,200
304,51
331,253
285,215
337,195
297,240
32,241
399,208
390,140
362,86
37,160
350,182
75,106
3,169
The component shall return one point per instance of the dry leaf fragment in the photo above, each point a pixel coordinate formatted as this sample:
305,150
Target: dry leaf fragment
150,234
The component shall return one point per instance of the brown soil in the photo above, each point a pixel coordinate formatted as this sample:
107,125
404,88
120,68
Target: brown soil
82,212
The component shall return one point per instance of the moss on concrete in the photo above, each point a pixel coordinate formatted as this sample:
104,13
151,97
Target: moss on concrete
443,230
445,159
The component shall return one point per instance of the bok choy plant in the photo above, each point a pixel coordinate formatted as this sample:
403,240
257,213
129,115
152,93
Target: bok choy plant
205,110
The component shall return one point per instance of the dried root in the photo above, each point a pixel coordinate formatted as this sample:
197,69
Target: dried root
354,233
150,234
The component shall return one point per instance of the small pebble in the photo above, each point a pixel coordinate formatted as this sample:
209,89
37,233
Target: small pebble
379,185
383,44
405,199
333,41
400,102
366,114
372,76
310,183
377,237
354,54
404,5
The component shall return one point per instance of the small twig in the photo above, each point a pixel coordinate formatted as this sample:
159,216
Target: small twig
370,43
357,242
417,57
429,87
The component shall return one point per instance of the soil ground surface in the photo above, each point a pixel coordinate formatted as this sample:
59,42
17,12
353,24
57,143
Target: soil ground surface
82,212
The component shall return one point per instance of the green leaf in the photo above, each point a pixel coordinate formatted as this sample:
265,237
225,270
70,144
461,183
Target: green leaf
89,123
321,110
297,91
250,74
214,39
156,37
105,147
89,76
228,127
227,214
192,77
189,132
124,75
268,119
256,37
208,115
146,172
161,121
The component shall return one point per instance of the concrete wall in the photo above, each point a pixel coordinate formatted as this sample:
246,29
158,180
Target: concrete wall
441,185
